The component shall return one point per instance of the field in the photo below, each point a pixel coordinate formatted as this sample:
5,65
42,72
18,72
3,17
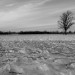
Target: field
37,55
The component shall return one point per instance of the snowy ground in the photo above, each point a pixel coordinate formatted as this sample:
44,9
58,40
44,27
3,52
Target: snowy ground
38,37
37,55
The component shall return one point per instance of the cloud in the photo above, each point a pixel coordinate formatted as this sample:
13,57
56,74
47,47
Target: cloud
8,16
41,2
9,5
22,11
28,9
61,10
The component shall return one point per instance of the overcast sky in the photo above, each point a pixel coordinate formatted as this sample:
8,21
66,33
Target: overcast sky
32,14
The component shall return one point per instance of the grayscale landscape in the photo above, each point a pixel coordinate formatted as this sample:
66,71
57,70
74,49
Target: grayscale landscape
37,37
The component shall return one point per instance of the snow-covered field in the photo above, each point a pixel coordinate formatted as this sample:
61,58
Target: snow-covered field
38,37
37,55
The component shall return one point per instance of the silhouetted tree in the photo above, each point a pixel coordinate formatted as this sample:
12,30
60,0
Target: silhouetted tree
66,21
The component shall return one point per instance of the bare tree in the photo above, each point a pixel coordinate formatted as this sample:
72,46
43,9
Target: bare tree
66,21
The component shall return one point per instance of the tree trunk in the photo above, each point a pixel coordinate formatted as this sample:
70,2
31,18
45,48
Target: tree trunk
65,32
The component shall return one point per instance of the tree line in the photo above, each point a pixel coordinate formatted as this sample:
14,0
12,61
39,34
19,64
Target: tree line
65,22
